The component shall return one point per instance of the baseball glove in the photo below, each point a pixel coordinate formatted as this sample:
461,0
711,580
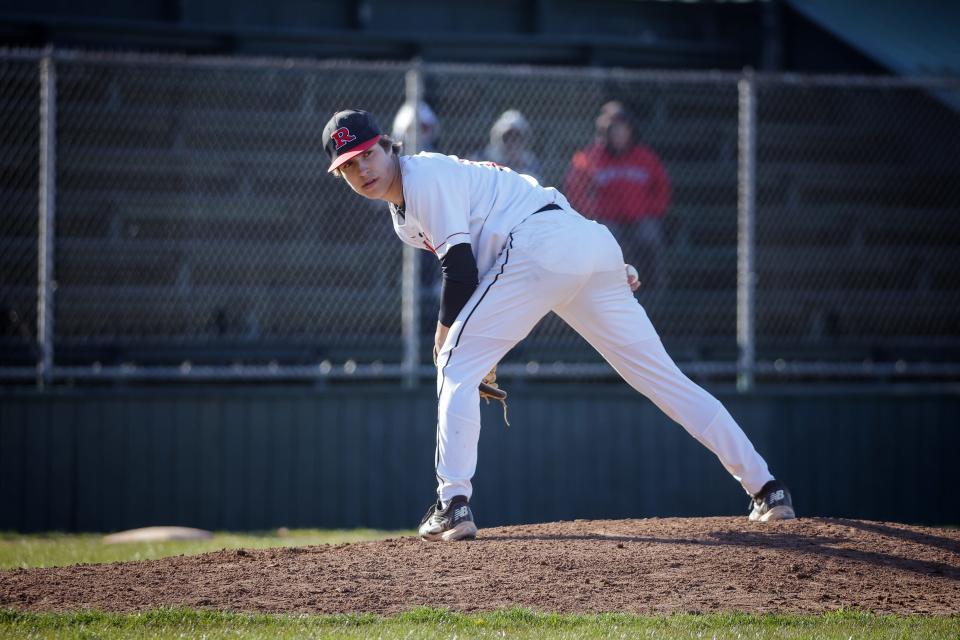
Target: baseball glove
490,390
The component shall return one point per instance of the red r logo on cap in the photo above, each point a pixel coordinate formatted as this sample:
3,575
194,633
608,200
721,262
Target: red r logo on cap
342,136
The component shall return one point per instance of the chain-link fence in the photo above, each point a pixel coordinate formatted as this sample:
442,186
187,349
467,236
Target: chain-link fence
858,223
198,234
19,188
196,221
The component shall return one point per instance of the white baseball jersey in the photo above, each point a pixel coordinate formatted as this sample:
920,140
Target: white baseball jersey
449,201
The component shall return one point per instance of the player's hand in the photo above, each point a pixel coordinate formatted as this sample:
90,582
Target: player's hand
633,278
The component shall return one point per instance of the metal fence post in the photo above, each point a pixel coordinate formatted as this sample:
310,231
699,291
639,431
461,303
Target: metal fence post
746,201
410,290
46,217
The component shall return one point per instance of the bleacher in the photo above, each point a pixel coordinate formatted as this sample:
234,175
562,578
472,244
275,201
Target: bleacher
194,212
195,219
856,258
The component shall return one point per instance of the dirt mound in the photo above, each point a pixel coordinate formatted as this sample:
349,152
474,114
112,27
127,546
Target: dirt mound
640,566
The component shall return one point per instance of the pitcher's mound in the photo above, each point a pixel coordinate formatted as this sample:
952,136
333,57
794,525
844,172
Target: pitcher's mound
157,534
639,566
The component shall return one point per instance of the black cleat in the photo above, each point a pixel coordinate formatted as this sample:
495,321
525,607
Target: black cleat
772,503
453,523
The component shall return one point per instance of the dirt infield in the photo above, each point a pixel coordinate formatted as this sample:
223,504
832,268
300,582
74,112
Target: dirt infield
640,566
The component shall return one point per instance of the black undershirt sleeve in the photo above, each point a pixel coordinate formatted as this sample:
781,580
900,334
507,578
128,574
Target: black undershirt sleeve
459,281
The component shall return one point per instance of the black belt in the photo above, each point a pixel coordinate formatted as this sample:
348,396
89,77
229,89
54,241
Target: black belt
548,207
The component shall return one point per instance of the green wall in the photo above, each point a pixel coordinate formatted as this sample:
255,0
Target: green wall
257,458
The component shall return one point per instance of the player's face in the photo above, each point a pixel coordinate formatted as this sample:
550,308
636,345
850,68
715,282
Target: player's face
371,173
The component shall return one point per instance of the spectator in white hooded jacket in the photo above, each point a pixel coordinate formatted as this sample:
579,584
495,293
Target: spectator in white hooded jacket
510,138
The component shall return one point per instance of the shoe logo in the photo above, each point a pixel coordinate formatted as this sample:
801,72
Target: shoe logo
775,496
461,512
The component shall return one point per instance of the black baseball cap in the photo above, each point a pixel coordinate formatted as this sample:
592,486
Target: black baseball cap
349,133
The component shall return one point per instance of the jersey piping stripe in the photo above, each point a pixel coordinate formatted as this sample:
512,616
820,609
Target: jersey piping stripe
443,377
506,259
459,233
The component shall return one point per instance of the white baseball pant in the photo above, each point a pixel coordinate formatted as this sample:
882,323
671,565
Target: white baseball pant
559,261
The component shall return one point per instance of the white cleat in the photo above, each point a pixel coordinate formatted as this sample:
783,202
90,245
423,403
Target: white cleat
446,525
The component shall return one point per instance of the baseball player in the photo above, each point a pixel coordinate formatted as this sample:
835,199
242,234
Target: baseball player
511,251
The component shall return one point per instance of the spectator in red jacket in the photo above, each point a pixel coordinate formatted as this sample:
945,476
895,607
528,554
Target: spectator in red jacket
620,182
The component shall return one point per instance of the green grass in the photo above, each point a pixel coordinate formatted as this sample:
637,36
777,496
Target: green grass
60,549
44,550
434,623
